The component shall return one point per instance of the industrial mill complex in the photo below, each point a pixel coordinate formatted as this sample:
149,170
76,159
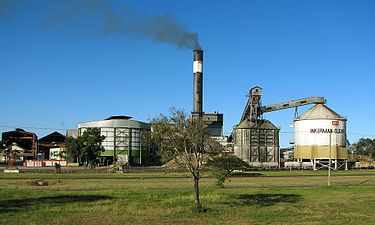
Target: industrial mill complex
320,134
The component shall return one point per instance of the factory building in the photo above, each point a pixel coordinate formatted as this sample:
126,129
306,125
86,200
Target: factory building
255,139
72,133
256,142
22,142
123,140
51,146
320,134
214,122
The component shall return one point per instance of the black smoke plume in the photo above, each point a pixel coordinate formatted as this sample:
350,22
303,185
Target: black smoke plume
107,17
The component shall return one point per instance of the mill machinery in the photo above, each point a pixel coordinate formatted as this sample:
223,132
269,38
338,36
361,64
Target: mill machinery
256,140
254,109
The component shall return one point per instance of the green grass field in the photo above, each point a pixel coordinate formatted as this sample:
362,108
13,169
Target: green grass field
300,197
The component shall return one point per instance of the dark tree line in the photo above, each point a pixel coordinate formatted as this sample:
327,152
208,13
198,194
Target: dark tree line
364,146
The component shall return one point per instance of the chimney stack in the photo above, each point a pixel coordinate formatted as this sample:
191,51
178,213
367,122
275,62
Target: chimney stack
198,82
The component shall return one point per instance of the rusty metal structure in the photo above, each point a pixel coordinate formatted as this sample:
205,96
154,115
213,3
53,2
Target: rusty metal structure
53,140
21,141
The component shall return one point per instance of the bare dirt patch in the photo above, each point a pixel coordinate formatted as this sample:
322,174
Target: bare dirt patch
40,182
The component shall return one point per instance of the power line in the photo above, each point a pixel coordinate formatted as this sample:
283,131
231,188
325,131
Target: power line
35,128
127,61
361,134
161,69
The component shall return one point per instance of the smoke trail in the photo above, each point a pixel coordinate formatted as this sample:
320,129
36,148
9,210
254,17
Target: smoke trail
6,8
162,28
101,17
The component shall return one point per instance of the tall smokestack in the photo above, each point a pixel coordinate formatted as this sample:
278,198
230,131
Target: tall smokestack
198,82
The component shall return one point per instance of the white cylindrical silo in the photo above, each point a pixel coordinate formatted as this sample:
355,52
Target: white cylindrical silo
318,132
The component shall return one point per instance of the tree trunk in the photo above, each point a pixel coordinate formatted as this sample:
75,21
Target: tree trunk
196,189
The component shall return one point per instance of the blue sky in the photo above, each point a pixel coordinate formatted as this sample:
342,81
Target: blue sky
61,64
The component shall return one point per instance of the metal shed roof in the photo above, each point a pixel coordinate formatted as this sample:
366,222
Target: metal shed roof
262,124
52,137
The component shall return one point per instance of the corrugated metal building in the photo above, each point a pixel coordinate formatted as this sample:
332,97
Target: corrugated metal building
256,143
21,141
51,141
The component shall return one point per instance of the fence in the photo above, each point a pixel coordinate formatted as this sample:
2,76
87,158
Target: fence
44,163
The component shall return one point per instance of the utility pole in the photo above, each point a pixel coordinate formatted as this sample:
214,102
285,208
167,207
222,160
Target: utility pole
329,161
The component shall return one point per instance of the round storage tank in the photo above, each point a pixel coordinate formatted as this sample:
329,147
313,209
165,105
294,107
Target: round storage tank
122,138
318,132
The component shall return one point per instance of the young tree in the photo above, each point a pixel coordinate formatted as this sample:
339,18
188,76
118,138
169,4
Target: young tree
223,166
87,146
185,141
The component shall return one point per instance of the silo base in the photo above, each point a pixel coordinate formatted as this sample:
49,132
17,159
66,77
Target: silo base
316,164
320,152
336,164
